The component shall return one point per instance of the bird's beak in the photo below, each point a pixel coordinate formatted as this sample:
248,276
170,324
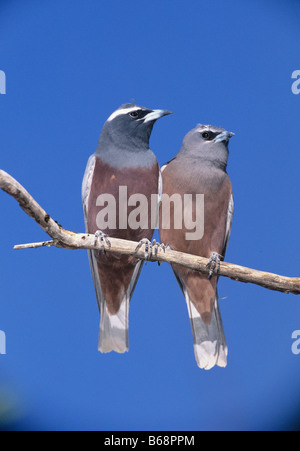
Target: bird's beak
156,114
224,136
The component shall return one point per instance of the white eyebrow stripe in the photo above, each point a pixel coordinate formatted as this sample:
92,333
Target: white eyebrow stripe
122,111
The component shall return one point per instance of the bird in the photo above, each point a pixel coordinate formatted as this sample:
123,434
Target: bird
123,166
200,167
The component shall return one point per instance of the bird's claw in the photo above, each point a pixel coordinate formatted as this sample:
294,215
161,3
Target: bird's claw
156,245
163,247
151,248
213,264
148,247
102,237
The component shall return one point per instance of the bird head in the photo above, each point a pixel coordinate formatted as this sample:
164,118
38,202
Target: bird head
208,143
131,126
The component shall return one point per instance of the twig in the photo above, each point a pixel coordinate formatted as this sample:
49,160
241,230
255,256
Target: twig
66,239
34,245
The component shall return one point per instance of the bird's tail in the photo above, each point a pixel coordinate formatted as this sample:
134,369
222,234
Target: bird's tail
113,334
209,339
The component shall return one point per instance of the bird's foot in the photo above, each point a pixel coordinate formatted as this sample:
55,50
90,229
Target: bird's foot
156,245
213,264
102,237
163,247
151,248
148,248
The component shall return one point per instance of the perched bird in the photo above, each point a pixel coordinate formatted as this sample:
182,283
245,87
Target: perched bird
122,167
200,168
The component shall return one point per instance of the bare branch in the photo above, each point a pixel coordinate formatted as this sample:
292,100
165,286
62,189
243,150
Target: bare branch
34,245
66,239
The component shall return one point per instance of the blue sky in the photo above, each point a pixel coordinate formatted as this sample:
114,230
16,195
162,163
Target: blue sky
69,65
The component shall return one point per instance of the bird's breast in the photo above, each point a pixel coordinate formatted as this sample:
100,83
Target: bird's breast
123,199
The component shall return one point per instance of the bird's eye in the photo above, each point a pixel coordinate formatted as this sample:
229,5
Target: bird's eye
133,114
205,135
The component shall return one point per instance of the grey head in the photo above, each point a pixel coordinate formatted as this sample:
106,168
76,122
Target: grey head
128,130
207,143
